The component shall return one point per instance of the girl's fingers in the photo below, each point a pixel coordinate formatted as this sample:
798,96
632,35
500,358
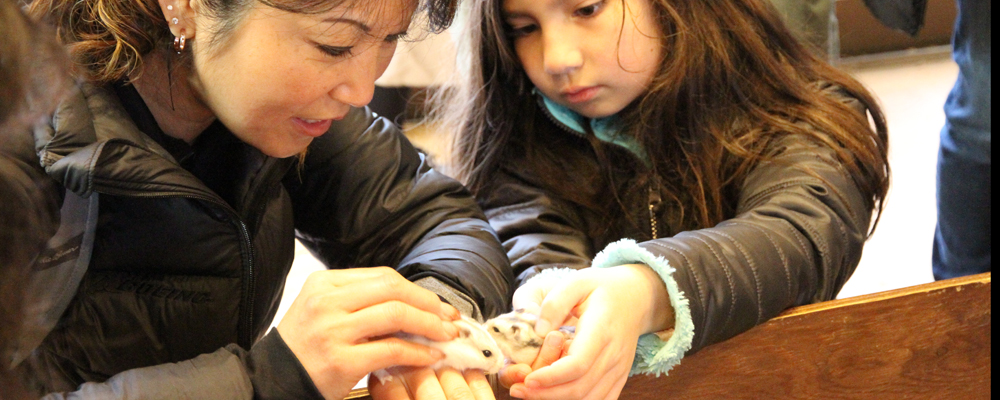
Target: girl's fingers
616,389
529,297
552,350
559,304
513,373
566,369
581,357
395,316
596,384
391,351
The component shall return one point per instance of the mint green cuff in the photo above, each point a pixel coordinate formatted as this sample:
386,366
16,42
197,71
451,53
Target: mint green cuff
654,356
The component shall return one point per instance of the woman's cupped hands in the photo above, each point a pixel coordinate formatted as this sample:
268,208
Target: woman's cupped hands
341,324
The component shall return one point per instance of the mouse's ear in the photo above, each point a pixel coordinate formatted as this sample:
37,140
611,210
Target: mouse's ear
464,332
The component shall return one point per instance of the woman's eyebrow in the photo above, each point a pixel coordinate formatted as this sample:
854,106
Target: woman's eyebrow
364,28
512,14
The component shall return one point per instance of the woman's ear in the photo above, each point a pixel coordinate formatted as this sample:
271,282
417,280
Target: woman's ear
179,15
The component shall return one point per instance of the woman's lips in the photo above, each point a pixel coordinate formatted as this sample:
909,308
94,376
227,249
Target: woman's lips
580,95
312,127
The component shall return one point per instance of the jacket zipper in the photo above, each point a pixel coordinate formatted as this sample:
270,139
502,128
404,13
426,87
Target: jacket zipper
555,121
246,318
654,204
654,193
250,282
244,336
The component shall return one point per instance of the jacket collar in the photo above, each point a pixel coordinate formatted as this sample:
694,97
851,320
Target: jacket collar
607,129
92,144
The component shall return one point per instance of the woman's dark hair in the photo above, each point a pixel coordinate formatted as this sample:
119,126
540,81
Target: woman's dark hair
32,67
33,77
108,39
732,80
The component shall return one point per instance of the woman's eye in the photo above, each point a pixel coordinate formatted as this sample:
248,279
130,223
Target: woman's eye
591,10
335,51
522,31
395,38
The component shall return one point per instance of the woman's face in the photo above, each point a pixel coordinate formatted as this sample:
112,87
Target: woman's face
592,56
280,78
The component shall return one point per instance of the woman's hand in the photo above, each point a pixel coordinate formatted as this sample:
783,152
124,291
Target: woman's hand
630,300
339,324
427,384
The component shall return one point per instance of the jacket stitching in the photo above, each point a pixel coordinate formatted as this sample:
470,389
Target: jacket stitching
725,268
781,254
753,270
687,261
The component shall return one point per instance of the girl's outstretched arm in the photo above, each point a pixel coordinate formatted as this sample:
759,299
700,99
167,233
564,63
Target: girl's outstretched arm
538,231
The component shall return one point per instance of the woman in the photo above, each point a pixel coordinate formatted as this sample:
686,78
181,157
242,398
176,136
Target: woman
215,132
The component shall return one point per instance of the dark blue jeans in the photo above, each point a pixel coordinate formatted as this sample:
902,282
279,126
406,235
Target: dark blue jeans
962,237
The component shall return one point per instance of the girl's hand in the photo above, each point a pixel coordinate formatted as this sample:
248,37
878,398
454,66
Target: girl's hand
339,324
614,306
427,384
553,348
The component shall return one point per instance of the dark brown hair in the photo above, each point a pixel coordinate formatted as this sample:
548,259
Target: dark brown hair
33,77
108,39
32,67
732,80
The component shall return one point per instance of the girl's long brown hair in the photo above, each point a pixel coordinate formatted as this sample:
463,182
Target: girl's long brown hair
733,79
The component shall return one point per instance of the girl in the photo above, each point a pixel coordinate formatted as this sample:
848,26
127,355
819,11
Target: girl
707,167
204,138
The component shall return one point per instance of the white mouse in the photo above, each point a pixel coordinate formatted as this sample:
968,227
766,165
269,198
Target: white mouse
515,333
472,349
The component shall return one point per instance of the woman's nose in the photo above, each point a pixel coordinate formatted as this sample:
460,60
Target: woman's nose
355,89
561,54
357,85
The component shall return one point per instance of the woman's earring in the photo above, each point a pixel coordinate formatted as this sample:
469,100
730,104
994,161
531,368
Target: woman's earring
170,7
179,42
175,21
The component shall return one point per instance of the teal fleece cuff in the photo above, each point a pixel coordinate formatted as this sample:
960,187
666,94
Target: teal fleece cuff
654,356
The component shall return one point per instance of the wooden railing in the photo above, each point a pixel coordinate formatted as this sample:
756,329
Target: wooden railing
929,341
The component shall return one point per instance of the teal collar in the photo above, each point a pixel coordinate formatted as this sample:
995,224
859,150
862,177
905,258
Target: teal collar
607,129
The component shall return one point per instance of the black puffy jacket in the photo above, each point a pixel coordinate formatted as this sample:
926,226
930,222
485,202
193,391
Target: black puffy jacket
795,236
184,266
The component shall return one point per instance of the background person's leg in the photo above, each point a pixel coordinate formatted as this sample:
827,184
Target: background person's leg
962,238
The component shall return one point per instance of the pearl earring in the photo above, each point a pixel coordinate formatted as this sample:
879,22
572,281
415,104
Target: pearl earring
170,7
174,20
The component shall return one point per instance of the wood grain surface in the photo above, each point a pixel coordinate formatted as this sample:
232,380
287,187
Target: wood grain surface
923,342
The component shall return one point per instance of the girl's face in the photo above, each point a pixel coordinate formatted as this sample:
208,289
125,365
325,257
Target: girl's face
281,78
592,56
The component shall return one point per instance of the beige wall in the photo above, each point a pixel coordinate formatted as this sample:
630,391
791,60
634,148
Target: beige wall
861,33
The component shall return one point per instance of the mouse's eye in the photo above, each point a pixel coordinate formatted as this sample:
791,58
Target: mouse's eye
487,353
495,329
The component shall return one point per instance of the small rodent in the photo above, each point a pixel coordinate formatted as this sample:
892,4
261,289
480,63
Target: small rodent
515,333
474,348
